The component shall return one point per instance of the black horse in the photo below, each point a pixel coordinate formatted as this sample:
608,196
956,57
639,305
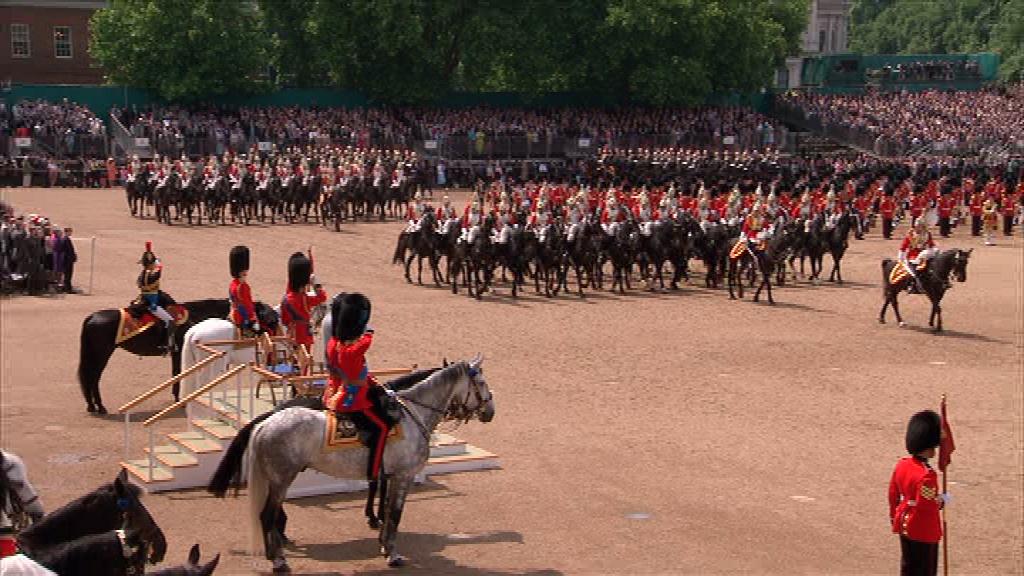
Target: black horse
581,255
481,258
712,246
935,280
836,241
166,194
625,244
99,331
191,198
420,244
110,507
549,259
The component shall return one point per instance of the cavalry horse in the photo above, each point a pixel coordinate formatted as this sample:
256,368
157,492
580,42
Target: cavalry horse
213,329
99,339
166,193
137,190
292,440
82,536
935,280
420,244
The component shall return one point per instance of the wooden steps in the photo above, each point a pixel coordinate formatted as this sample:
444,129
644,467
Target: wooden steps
196,442
172,456
140,470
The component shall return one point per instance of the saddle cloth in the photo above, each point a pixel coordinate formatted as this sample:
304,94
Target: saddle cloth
342,434
129,326
899,272
740,247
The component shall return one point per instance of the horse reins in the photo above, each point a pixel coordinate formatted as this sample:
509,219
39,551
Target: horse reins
457,409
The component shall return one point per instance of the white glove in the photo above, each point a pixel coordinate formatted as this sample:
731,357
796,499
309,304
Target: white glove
393,394
256,326
946,498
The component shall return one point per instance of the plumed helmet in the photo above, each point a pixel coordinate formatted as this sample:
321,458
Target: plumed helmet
238,260
350,313
923,431
299,271
148,257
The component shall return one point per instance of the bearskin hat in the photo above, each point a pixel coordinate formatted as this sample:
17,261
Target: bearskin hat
350,313
148,257
923,431
299,271
238,260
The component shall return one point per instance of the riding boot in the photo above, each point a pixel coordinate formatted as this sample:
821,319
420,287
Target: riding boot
169,345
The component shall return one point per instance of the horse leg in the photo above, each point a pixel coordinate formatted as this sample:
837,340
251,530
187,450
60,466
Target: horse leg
408,263
419,269
371,519
839,269
397,493
885,306
895,306
938,313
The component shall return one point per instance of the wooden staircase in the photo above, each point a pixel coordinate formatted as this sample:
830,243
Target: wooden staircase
188,459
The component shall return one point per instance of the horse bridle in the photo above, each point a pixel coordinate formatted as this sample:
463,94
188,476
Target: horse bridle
457,410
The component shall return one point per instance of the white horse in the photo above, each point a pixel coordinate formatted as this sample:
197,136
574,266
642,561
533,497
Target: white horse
214,329
286,442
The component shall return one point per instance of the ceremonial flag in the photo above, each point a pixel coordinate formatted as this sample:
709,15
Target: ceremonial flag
946,445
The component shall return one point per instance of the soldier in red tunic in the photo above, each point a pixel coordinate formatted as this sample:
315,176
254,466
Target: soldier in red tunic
945,207
917,244
348,389
977,202
297,302
915,500
888,209
243,311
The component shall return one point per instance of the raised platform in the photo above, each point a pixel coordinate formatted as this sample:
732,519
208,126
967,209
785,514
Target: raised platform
186,460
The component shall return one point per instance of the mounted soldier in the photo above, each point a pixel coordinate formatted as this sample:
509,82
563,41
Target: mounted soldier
472,218
243,310
915,251
150,294
348,390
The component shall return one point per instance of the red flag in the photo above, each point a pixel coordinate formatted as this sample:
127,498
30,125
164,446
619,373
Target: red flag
946,446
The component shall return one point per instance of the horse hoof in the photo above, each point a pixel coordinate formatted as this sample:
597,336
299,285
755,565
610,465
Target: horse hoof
396,560
282,568
90,408
373,523
902,324
101,410
881,320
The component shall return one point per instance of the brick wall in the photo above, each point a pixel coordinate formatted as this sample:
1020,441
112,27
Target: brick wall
42,66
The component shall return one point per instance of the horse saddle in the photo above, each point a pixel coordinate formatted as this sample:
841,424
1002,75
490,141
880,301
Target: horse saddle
342,433
136,319
741,246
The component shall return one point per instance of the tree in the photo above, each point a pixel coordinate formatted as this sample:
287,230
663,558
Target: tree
182,49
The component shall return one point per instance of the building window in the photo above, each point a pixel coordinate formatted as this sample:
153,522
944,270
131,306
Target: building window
821,40
62,41
21,47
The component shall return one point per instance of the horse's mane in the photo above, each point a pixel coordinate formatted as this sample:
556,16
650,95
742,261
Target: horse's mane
81,553
409,380
56,522
442,376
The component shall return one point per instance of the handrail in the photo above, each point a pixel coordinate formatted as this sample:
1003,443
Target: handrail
240,341
195,394
266,373
147,395
325,375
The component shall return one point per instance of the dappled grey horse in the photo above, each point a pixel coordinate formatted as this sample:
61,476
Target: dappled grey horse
293,439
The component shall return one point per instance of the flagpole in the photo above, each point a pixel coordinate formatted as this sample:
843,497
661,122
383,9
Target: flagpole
945,530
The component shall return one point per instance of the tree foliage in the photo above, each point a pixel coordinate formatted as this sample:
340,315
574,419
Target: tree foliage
942,27
181,49
408,51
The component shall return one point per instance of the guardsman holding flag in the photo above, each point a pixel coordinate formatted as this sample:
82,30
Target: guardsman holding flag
915,500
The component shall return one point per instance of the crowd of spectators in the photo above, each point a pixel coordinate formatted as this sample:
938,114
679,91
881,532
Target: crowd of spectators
216,130
36,255
65,128
896,123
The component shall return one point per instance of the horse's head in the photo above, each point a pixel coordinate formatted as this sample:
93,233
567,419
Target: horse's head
139,527
959,268
192,568
269,319
479,400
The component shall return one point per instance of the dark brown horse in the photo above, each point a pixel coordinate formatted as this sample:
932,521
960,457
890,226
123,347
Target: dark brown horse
934,281
99,332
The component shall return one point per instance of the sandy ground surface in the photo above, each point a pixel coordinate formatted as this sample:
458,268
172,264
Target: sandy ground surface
645,434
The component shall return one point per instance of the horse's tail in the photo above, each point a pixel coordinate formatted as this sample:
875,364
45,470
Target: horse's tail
84,356
230,468
258,491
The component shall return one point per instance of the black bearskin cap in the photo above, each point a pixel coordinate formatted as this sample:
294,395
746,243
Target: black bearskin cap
299,271
238,260
923,431
148,257
350,313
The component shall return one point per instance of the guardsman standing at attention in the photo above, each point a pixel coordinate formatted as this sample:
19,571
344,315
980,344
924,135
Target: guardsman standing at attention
888,209
977,206
915,500
243,311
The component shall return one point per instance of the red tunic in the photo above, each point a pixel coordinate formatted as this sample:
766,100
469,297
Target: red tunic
977,199
242,308
945,206
347,364
295,309
914,501
888,208
913,249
